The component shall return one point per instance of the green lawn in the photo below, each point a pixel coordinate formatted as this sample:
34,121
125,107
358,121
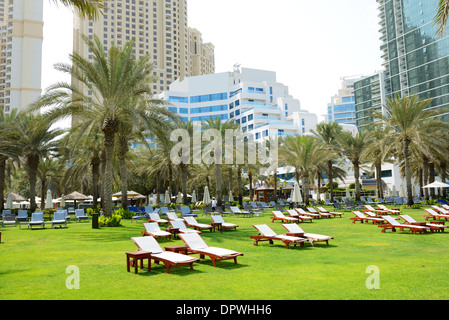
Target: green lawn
33,264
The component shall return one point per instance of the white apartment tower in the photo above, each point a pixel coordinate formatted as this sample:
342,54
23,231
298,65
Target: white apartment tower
21,36
159,28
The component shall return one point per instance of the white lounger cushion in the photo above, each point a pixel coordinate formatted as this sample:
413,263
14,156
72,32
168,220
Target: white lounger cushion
155,217
195,242
150,244
191,221
172,256
179,224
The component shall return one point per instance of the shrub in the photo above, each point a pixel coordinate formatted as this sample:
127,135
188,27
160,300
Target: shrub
89,211
113,221
125,214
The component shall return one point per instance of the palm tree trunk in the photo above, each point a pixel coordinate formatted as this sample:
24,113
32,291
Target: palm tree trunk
102,171
357,181
33,163
124,173
331,179
305,183
2,180
408,174
218,182
275,186
43,193
95,163
432,178
380,192
184,183
109,139
425,163
250,180
239,184
443,166
158,189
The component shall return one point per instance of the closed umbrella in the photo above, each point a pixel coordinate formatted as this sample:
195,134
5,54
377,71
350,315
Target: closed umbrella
62,204
402,193
393,191
48,200
296,193
167,197
231,198
194,196
154,198
348,194
206,197
179,198
9,201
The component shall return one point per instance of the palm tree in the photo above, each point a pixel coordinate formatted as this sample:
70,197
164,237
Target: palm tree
49,172
119,94
302,153
87,8
441,16
37,141
353,147
328,133
410,124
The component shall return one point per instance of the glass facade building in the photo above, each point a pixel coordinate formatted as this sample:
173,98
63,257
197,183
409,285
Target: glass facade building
342,106
416,60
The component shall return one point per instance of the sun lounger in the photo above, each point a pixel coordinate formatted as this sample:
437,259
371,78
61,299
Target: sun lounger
280,216
80,215
154,217
362,218
313,210
197,245
218,219
393,224
191,222
181,226
435,215
238,212
293,213
335,214
168,258
392,211
309,214
37,219
153,229
186,212
297,231
433,226
9,219
267,234
440,210
58,219
377,211
171,216
22,215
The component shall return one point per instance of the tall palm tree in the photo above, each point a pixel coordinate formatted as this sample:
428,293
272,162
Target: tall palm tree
441,16
302,153
49,172
328,133
119,94
353,147
37,140
410,124
87,8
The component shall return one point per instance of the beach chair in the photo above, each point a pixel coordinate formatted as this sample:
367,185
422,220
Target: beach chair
335,214
278,215
440,210
296,231
37,219
267,234
207,211
59,219
433,226
197,245
133,209
80,215
147,209
391,211
168,258
362,218
153,229
22,215
218,219
393,224
238,212
370,201
313,210
186,212
445,206
249,209
171,216
154,217
66,214
377,211
435,215
181,226
293,213
9,219
308,214
191,222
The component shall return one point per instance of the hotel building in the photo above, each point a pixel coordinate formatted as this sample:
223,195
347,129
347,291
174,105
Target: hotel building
342,106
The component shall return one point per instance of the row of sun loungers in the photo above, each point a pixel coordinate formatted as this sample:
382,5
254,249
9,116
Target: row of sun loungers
60,218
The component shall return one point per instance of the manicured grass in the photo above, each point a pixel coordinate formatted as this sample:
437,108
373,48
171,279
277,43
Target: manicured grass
33,264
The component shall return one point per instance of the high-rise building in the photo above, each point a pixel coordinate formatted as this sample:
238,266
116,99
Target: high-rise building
342,106
159,28
369,92
261,105
21,36
416,60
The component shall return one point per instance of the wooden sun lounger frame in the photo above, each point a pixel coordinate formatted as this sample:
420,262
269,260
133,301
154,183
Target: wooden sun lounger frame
438,226
438,216
287,242
198,227
335,214
401,227
298,216
366,219
148,233
284,219
170,264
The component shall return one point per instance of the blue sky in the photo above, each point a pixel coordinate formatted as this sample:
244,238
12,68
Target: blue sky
309,44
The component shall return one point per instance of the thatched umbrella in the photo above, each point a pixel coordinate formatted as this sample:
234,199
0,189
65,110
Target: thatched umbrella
76,196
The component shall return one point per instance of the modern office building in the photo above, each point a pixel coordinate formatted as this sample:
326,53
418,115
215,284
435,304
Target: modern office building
342,106
159,28
21,37
369,92
416,60
261,105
